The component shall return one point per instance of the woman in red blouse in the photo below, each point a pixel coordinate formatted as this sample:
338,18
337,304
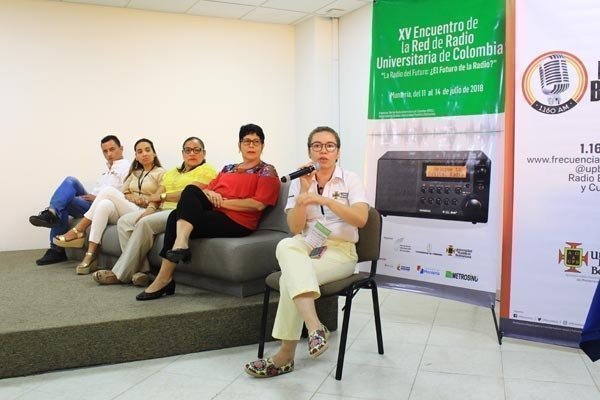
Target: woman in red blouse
231,206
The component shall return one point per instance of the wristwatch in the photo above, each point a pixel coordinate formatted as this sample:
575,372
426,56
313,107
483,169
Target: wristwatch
163,196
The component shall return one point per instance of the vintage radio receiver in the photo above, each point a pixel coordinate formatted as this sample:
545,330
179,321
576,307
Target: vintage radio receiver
451,185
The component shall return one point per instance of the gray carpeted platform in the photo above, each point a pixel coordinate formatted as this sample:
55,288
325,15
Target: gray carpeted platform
51,318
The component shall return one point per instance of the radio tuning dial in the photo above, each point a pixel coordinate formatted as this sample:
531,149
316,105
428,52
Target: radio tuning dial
473,208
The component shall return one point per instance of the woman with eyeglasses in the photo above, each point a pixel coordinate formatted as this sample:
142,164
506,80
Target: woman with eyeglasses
138,229
231,206
143,179
324,211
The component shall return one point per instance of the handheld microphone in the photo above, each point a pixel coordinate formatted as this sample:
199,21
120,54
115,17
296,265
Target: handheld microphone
301,172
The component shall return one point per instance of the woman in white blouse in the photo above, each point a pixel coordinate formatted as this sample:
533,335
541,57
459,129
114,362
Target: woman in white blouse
324,211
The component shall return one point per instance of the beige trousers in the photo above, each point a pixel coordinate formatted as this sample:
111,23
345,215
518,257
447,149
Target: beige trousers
136,240
302,274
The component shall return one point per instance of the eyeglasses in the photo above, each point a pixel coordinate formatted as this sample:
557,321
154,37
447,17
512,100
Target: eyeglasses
318,146
248,142
190,150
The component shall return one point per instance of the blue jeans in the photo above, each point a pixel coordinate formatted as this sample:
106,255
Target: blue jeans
66,201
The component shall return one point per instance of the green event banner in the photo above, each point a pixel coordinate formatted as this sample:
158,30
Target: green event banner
436,58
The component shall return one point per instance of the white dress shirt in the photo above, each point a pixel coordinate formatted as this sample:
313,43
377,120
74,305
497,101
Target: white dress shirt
114,176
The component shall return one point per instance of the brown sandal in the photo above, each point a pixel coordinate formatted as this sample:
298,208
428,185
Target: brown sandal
140,279
105,277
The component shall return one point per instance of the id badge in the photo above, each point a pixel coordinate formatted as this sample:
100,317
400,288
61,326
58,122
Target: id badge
317,235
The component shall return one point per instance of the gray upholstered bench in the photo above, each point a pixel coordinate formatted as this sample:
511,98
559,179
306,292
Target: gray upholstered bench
235,266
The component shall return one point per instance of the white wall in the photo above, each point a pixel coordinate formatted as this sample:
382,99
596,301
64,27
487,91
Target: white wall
72,73
355,56
332,82
316,80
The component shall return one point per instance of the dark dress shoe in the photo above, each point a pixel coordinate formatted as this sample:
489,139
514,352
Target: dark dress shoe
51,256
45,218
178,255
169,290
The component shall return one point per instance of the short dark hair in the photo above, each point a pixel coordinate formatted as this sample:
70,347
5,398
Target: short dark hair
324,129
249,129
108,138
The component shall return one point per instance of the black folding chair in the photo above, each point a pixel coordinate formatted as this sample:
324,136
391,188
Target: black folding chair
367,248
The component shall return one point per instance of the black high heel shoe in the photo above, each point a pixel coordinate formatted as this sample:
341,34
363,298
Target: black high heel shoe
169,290
178,255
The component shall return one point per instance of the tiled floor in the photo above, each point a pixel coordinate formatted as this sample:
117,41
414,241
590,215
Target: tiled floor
434,349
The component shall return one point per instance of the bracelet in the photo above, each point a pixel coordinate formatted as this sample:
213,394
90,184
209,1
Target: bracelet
151,206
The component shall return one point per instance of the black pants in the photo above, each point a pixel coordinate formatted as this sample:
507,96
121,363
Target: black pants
195,208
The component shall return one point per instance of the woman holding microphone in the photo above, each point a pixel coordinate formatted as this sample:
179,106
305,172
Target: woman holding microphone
324,211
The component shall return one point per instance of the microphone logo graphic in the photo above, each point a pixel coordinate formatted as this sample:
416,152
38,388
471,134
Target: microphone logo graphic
554,77
554,82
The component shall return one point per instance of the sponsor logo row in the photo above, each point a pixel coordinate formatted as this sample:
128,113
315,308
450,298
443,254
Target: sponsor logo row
401,246
435,272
